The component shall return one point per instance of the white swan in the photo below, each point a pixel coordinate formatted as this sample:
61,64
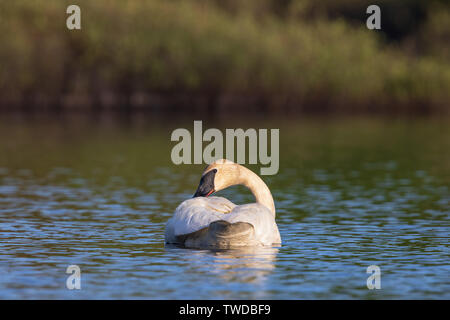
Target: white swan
217,222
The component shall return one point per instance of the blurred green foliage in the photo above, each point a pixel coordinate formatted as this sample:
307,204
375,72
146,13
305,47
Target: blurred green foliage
304,55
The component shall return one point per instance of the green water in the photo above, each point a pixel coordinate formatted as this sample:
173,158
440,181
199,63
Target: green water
96,192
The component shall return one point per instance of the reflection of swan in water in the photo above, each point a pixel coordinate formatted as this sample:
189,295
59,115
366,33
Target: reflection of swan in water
246,265
243,265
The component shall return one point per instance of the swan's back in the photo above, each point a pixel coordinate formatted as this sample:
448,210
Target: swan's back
217,222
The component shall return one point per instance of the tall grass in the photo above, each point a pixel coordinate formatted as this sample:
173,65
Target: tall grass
187,54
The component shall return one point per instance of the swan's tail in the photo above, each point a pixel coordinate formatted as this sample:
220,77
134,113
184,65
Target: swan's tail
223,234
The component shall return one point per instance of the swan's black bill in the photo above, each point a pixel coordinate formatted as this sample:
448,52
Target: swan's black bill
206,185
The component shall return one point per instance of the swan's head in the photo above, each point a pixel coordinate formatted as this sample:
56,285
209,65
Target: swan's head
217,176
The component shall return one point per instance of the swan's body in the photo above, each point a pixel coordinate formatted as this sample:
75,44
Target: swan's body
219,223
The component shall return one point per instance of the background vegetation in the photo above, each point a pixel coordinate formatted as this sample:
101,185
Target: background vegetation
216,55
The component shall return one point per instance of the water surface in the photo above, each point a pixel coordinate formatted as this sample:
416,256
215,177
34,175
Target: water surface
350,193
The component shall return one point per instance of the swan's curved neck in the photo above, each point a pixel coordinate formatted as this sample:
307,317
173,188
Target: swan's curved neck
257,187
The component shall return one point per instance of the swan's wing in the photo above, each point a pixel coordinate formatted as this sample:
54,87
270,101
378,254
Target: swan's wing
262,219
195,214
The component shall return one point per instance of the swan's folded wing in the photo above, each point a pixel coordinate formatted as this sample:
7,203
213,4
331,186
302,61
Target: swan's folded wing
262,219
195,214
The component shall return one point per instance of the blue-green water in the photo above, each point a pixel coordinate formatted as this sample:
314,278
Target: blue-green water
350,193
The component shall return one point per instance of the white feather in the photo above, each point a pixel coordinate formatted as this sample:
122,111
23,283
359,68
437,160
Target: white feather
197,213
